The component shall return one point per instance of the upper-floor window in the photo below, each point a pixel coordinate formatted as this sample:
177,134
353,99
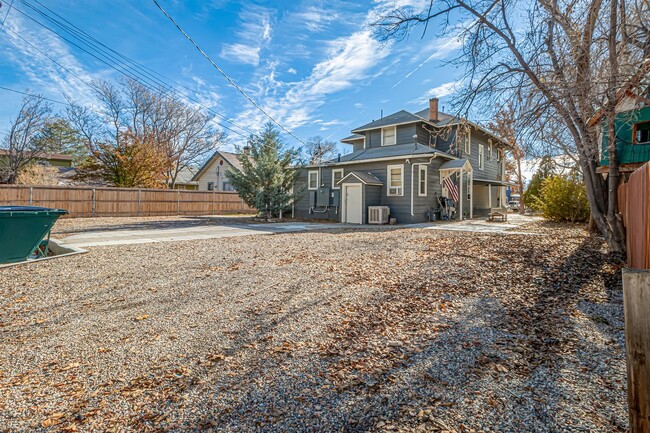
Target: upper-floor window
337,175
312,181
467,141
641,133
489,152
422,181
395,179
481,157
210,186
499,155
389,136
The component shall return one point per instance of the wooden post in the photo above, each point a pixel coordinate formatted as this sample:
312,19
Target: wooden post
178,201
31,194
460,195
636,301
92,204
139,192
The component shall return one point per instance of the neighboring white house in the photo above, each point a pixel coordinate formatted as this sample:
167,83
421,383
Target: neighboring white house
212,176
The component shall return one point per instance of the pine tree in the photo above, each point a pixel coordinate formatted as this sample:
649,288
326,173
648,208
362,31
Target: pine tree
266,179
533,192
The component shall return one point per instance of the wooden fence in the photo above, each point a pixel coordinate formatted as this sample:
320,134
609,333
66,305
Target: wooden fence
634,205
97,202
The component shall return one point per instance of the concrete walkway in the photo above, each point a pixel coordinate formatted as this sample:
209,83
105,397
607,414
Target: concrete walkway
481,225
125,237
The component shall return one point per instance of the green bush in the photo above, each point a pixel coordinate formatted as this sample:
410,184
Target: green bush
563,199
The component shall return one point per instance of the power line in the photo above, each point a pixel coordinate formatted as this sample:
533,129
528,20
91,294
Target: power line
31,94
224,74
7,14
123,72
147,72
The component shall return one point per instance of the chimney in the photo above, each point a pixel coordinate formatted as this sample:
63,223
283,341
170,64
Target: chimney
433,109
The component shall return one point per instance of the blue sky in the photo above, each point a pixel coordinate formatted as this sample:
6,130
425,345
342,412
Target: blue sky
312,64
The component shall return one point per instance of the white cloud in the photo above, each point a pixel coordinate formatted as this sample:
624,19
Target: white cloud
292,71
315,19
241,53
441,49
51,79
348,61
254,33
440,91
359,105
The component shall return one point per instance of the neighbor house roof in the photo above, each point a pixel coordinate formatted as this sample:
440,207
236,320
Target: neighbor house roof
52,156
229,157
186,175
366,178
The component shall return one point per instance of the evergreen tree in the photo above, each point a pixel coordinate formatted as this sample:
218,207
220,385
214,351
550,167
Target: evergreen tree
546,170
267,177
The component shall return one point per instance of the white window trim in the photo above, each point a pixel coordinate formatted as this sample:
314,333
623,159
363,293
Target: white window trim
499,155
388,187
336,170
481,157
364,141
382,135
310,173
490,149
426,180
468,142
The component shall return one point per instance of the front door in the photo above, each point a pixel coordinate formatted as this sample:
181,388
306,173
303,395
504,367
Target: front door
352,204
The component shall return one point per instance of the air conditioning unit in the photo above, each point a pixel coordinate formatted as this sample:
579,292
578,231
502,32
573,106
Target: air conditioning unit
378,214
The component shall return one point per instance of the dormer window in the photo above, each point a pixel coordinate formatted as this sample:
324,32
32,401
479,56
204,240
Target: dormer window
641,133
389,136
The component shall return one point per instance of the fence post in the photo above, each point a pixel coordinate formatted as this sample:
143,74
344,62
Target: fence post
139,193
178,202
31,193
636,302
92,204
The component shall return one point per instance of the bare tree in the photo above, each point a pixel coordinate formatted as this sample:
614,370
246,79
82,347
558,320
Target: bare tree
319,148
566,59
506,126
182,132
21,143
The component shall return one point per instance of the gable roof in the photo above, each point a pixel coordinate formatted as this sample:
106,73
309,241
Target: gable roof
365,178
403,117
398,118
353,137
229,157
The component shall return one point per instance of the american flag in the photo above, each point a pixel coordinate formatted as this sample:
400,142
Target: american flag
451,187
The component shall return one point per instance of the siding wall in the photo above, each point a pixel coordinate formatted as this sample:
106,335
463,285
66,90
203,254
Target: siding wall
210,175
400,206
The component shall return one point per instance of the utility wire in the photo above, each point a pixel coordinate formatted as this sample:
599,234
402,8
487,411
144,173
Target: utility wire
224,74
147,72
8,10
31,94
122,71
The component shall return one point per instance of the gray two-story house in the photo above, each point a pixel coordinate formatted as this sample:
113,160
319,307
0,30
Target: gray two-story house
417,165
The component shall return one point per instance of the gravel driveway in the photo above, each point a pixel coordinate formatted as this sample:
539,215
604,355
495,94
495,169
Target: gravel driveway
407,330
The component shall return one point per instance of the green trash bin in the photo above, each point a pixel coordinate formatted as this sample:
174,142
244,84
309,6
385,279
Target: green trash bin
22,228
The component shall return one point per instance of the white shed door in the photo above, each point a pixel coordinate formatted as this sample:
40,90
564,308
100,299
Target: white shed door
352,204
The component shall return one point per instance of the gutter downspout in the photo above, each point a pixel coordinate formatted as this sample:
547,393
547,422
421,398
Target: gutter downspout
412,168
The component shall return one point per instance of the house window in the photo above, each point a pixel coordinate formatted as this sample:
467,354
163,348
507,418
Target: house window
641,133
467,137
337,175
422,181
210,186
389,136
481,157
312,182
489,149
227,186
499,155
395,180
